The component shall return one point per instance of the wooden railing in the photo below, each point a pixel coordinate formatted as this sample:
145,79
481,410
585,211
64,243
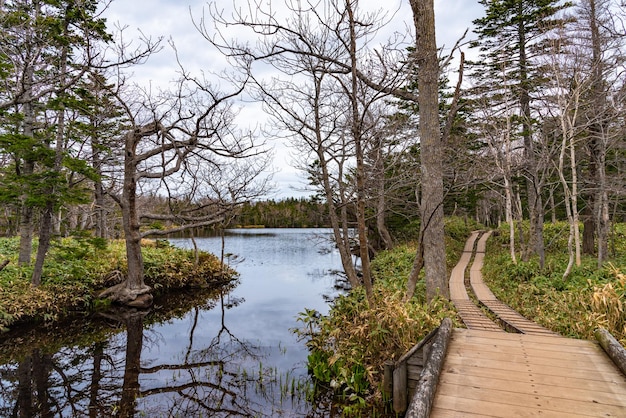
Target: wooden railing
411,381
613,348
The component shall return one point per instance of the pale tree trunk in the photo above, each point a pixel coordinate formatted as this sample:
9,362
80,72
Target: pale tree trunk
552,206
431,150
339,225
575,214
568,195
99,207
381,202
100,211
509,217
602,212
508,189
568,105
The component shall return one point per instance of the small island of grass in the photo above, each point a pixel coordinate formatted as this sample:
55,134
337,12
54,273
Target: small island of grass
77,270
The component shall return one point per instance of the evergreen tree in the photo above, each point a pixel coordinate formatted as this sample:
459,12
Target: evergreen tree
47,48
510,38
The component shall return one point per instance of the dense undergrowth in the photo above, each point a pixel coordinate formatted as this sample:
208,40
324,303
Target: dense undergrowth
349,346
574,306
76,269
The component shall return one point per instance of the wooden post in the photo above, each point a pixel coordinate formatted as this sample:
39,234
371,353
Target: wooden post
613,348
422,401
400,389
388,379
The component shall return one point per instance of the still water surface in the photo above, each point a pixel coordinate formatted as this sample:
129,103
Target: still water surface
228,353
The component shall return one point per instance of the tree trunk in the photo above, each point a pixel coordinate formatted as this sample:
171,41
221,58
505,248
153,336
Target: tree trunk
45,227
357,137
589,227
533,186
338,222
381,225
129,291
45,236
130,217
431,150
28,168
99,210
598,135
509,216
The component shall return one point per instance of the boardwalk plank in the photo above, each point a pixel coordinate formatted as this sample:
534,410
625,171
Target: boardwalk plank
538,401
506,375
524,367
470,408
532,388
583,363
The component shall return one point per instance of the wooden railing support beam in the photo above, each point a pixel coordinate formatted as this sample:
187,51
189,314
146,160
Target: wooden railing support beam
400,389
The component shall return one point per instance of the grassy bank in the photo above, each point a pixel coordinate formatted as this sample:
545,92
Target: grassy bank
76,270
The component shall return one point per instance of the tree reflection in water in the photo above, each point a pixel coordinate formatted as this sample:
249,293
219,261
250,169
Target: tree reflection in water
100,372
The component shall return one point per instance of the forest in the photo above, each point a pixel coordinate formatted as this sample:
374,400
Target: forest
520,122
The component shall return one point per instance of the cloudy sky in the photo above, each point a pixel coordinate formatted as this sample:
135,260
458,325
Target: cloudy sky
172,20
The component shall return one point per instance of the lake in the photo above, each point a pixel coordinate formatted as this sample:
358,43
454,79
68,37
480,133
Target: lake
208,353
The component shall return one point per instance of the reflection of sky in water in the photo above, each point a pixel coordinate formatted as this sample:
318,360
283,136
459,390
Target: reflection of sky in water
282,272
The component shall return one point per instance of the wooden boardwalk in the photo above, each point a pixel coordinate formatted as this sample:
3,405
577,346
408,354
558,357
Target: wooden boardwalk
533,372
508,317
472,316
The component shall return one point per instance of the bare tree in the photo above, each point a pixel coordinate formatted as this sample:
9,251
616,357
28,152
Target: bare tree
494,124
597,31
338,41
171,135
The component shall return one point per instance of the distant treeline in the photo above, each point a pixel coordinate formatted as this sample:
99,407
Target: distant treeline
284,213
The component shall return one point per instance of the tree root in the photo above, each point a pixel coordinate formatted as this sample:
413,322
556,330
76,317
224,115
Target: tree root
134,297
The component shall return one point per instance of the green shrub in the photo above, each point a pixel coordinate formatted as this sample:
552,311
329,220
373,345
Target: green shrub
574,306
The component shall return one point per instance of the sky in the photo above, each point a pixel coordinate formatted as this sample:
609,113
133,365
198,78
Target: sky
173,20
